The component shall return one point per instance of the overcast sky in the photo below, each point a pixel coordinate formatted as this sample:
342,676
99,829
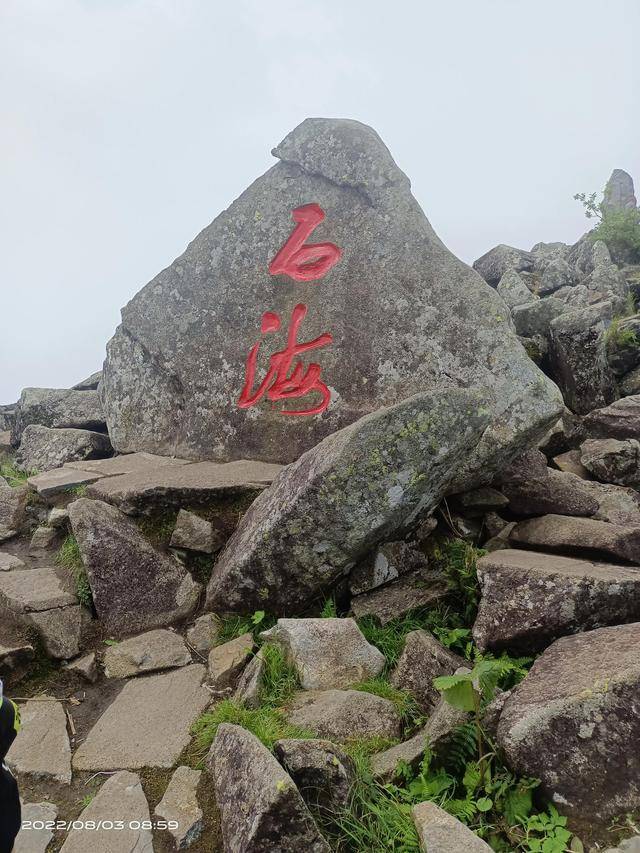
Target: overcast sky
128,125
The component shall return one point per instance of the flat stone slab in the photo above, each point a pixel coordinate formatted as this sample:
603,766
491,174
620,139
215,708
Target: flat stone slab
340,715
121,799
8,562
440,832
148,724
564,532
149,652
41,750
180,805
29,839
128,463
35,590
60,480
177,484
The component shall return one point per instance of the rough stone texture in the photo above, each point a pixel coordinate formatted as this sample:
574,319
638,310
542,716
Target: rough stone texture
41,750
327,652
180,804
15,661
571,721
513,290
570,463
29,590
623,346
530,599
121,798
35,840
557,274
194,533
90,383
619,420
150,652
227,661
384,564
60,630
356,488
58,518
42,448
148,723
203,634
579,359
629,385
434,735
616,504
400,597
533,489
480,500
60,480
9,562
440,832
343,714
176,485
619,193
323,772
57,408
565,434
12,506
85,667
249,685
128,463
423,659
43,538
535,318
564,532
497,261
134,586
260,807
613,460
176,366
7,416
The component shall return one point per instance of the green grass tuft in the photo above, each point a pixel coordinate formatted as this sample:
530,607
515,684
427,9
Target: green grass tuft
279,678
14,476
70,558
405,704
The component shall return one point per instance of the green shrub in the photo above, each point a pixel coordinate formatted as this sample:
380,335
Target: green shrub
619,229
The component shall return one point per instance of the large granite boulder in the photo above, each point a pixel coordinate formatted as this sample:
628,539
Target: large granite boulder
57,408
574,722
495,263
619,420
619,192
134,586
323,513
387,309
43,448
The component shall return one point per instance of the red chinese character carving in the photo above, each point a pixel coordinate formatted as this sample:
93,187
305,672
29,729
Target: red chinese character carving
278,384
300,262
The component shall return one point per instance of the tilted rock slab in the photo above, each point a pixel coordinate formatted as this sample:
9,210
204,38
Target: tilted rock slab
327,652
564,532
619,420
260,807
423,659
323,772
344,714
531,599
612,460
356,488
405,315
574,723
41,750
133,585
42,448
180,805
149,652
440,832
57,408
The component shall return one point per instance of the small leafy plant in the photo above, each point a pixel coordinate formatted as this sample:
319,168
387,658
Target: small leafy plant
70,558
619,229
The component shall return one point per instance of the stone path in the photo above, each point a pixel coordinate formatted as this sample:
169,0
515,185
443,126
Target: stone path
41,749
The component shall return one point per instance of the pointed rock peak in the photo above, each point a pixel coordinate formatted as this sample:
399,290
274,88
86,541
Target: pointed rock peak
619,192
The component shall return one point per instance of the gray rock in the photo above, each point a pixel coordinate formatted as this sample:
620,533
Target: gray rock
629,384
85,667
576,296
35,590
13,502
133,585
564,435
7,416
9,562
175,368
344,714
129,463
612,460
607,281
57,408
42,539
536,318
323,772
120,799
61,480
619,420
60,630
90,383
42,448
578,708
58,518
148,723
529,599
5,441
440,832
423,659
579,359
179,804
623,345
570,463
557,274
482,500
227,661
203,634
249,685
149,652
619,193
355,489
260,807
35,839
174,486
435,736
15,661
548,252
563,532
386,563
326,652
41,749
513,290
194,533
400,597
616,504
497,261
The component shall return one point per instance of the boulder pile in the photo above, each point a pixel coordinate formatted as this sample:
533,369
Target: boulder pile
392,586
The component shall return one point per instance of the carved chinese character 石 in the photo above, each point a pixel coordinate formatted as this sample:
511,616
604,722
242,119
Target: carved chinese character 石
300,262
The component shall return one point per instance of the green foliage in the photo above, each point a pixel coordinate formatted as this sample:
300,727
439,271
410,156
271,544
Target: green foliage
619,229
14,476
621,337
405,704
78,491
457,560
329,609
267,724
70,558
279,678
158,528
466,691
231,627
